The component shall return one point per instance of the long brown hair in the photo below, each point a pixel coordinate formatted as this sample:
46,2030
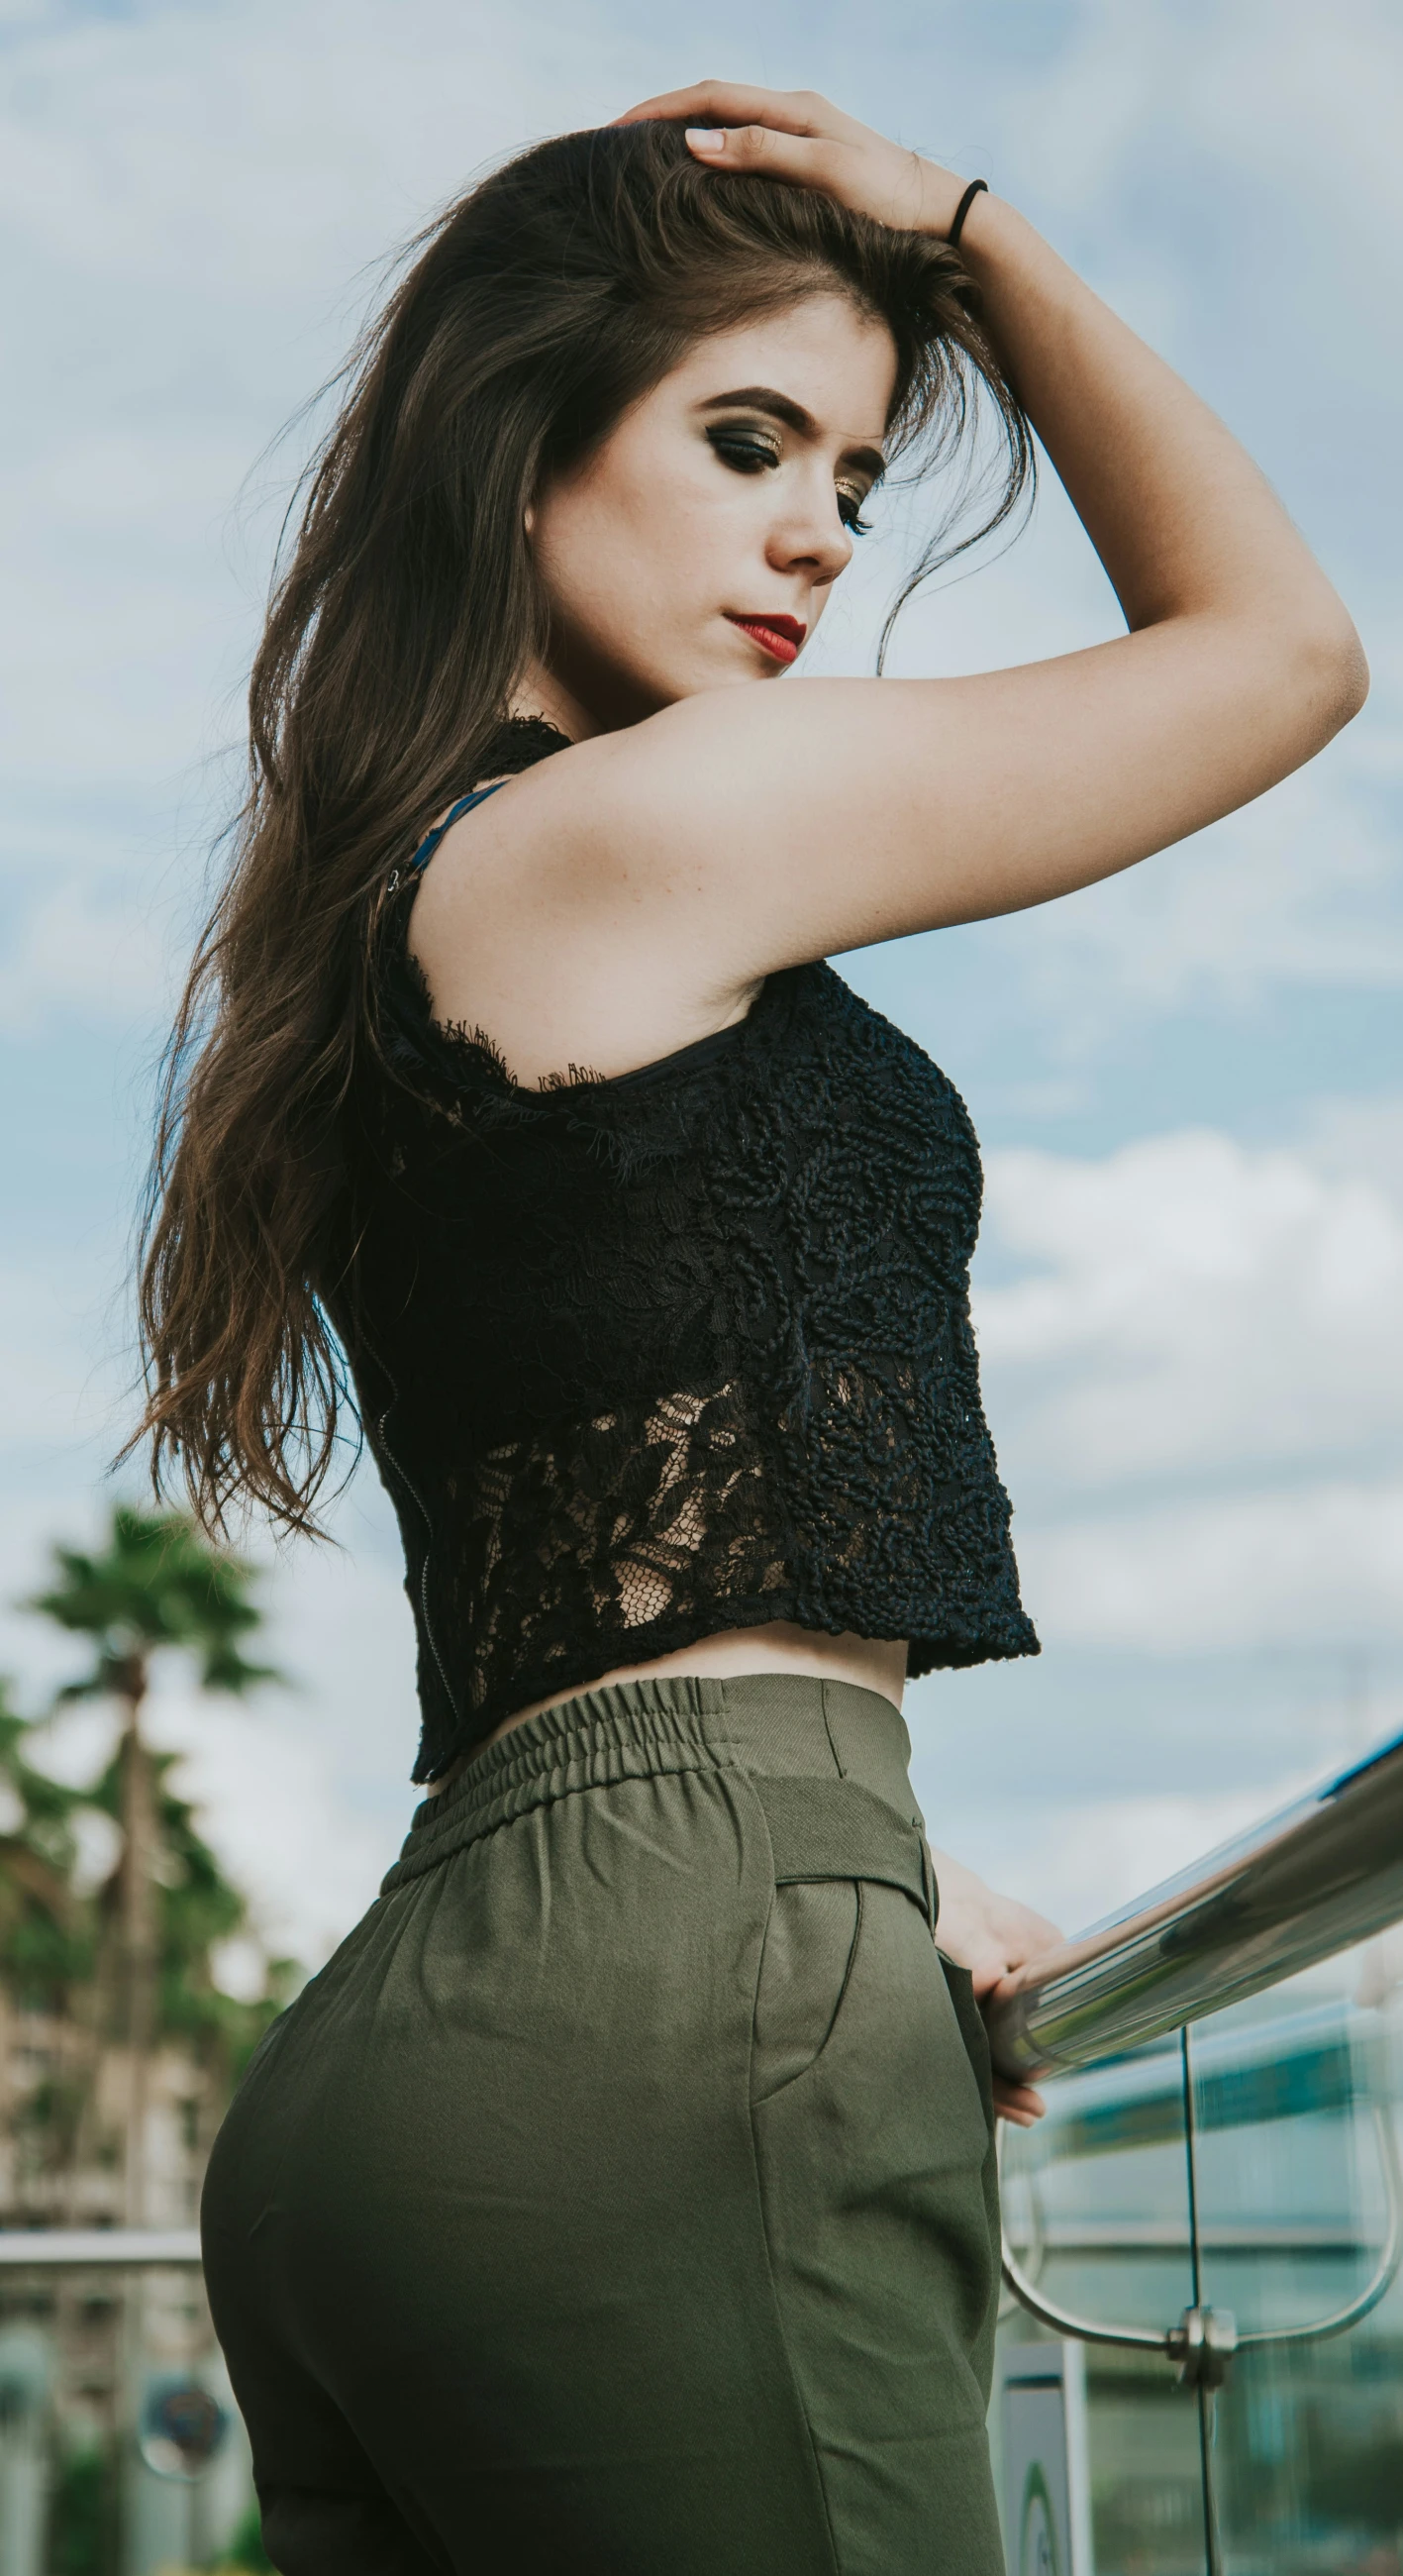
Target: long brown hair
539,307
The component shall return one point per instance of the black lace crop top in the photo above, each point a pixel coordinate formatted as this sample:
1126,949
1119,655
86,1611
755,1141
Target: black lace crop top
687,1350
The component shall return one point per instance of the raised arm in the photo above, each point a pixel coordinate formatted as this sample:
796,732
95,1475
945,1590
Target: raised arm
748,828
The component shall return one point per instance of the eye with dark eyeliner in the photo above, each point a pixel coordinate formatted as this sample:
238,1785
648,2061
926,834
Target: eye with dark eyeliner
748,451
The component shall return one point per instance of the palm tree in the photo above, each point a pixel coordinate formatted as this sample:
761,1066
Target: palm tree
157,1584
196,1908
43,1946
46,1936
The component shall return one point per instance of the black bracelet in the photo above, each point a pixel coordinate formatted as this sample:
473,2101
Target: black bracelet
962,209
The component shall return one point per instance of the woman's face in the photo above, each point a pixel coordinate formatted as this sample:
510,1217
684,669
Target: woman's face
698,544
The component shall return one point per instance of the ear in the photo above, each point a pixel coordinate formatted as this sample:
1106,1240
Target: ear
529,521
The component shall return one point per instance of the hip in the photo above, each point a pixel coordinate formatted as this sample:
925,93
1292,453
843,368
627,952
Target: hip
645,2082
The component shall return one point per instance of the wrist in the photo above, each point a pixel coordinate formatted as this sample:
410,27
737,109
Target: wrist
941,191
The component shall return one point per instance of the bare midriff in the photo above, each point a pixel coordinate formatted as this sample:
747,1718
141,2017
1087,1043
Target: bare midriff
872,1663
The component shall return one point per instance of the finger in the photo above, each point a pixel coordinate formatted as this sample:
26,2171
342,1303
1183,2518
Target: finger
732,103
1019,2103
798,158
987,1970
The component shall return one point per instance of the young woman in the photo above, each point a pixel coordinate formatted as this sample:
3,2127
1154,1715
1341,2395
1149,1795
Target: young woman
621,2196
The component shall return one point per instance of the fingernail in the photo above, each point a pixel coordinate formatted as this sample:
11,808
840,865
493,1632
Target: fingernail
706,138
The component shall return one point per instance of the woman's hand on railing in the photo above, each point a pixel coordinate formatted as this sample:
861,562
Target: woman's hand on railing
991,1935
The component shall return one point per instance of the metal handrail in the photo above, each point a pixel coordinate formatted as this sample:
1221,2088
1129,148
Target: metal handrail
1309,1881
22,2248
1306,1883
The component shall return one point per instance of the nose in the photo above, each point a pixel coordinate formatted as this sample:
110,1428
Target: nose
808,536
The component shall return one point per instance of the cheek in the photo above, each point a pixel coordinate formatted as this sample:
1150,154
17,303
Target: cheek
636,555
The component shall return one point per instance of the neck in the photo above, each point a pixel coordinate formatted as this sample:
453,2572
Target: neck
540,693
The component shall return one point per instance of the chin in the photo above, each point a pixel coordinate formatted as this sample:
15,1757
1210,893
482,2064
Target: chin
628,694
738,661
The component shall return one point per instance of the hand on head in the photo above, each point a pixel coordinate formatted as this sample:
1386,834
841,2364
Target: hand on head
798,136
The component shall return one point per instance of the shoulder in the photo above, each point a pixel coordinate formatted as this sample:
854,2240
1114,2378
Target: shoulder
721,789
552,916
630,894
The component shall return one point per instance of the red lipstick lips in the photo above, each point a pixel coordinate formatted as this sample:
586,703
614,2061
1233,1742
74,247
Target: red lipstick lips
781,637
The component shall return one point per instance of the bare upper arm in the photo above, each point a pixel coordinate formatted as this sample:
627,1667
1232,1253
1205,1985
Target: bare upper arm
803,820
630,893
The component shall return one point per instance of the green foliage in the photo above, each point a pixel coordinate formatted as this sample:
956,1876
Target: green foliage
158,1582
1355,2482
197,1908
81,2515
67,1952
45,2124
46,1938
247,2555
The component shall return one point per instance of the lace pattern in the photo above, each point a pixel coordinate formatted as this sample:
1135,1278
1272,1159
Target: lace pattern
647,1359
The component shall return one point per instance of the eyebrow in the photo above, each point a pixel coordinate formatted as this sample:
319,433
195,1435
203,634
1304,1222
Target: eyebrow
793,415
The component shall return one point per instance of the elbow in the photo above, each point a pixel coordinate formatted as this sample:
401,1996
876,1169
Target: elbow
1330,677
1354,675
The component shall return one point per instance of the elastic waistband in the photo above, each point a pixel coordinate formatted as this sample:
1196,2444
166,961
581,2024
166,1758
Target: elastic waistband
828,1758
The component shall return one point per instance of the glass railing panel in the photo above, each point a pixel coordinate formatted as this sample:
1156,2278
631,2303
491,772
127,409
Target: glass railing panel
1096,2207
121,2451
1296,2110
1298,2211
1095,2196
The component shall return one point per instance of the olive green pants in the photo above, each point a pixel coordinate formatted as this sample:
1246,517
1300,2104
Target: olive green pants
621,2197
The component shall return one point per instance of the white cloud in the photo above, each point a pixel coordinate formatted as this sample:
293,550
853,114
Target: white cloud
1290,1567
1303,887
1270,86
1077,1854
1322,86
1360,1137
50,1389
1076,1861
192,206
1196,1391
1193,1304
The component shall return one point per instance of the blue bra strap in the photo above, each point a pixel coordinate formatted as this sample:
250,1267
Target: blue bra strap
464,805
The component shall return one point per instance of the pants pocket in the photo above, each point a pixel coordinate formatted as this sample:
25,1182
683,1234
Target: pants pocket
875,2169
811,1941
972,2032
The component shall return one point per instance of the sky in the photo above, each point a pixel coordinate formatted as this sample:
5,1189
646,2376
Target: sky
1188,1082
